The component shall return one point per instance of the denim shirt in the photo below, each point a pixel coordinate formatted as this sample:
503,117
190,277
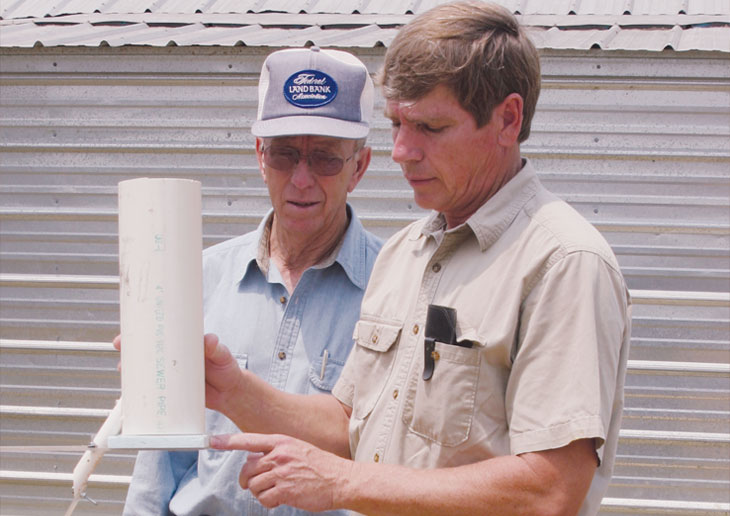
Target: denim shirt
281,339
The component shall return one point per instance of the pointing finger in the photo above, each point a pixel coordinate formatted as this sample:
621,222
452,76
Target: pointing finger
249,442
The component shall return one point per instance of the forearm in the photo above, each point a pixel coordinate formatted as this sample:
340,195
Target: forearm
505,486
320,419
383,490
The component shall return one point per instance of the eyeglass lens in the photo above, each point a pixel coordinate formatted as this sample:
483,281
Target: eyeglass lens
320,162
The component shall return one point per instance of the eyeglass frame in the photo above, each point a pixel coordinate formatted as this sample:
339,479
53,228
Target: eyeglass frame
314,170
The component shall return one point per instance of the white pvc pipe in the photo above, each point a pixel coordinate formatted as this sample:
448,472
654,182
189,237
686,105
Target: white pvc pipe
91,457
160,286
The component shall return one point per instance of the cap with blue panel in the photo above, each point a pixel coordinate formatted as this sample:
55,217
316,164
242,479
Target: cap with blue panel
314,91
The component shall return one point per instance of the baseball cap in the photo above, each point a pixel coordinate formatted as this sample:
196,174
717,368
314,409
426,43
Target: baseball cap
314,91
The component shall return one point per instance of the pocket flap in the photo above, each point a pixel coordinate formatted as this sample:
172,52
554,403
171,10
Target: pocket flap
376,336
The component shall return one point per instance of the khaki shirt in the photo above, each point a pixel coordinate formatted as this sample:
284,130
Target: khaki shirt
539,294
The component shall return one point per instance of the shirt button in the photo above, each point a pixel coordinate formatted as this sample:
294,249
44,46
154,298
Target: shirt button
375,339
395,394
415,329
377,457
436,267
282,300
282,355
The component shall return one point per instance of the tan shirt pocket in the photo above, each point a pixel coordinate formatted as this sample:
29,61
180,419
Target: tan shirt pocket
442,408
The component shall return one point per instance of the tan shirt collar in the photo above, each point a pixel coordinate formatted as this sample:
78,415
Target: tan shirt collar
493,217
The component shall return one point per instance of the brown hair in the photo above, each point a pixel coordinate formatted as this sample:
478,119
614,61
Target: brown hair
477,49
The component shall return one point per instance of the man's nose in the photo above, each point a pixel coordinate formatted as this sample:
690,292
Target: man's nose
302,176
406,146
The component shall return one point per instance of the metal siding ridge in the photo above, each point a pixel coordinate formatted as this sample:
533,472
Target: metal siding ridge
680,297
59,280
62,477
662,227
75,412
571,198
660,435
635,503
55,345
679,367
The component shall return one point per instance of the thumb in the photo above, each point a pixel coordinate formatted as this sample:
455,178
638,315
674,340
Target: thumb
214,352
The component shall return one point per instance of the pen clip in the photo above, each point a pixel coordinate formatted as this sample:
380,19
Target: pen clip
429,348
324,364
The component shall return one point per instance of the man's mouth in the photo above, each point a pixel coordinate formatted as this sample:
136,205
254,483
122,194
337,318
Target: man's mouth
302,204
418,180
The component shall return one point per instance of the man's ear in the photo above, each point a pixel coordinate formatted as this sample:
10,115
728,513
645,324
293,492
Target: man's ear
510,112
260,157
363,161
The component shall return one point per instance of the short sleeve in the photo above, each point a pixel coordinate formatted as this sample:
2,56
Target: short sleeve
567,362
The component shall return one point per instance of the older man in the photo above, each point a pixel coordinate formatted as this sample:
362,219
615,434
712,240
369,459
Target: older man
487,375
285,297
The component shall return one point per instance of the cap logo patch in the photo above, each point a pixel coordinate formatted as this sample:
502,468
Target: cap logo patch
310,89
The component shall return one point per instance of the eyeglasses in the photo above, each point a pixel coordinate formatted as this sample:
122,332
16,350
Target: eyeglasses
319,162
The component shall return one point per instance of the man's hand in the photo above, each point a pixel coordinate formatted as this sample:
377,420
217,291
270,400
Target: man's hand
222,375
283,470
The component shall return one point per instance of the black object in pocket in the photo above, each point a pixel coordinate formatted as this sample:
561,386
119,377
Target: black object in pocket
440,327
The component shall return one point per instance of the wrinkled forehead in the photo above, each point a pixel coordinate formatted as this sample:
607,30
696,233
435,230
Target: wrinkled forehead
439,104
423,110
395,108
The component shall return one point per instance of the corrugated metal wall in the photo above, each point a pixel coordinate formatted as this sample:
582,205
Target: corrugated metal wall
639,143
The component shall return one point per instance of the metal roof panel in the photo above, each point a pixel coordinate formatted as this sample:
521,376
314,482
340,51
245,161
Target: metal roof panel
41,8
713,37
577,24
154,33
639,7
383,20
708,6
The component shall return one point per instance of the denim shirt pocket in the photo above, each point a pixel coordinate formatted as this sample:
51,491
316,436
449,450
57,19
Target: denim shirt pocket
442,408
323,379
373,357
